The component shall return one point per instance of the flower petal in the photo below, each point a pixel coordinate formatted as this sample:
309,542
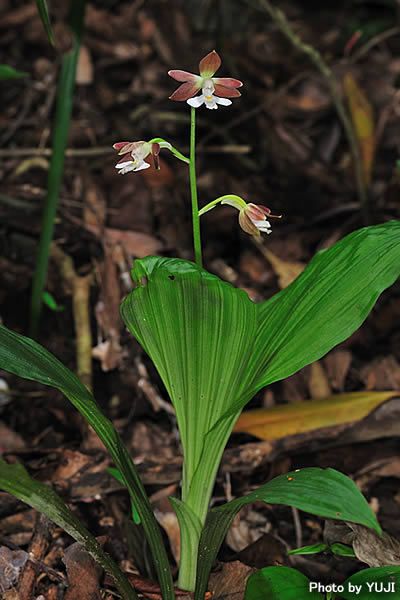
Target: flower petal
223,101
120,145
228,82
209,64
186,90
124,163
184,75
264,226
197,101
225,92
247,224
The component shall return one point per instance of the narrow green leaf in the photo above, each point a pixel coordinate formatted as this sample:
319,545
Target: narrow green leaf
15,480
115,473
312,549
24,357
44,15
7,72
326,493
65,93
342,550
280,583
373,584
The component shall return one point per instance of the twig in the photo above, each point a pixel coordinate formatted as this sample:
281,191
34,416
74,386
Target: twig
80,287
105,150
315,57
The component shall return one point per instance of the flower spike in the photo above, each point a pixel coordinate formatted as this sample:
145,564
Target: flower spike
224,87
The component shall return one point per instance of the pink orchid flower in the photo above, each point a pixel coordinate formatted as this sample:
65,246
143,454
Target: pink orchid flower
137,152
224,87
252,217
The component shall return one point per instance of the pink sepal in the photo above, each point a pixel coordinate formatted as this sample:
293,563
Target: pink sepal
225,92
184,76
209,64
186,90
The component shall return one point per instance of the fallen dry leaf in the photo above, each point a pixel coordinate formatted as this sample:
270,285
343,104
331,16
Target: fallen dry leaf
290,419
363,121
83,574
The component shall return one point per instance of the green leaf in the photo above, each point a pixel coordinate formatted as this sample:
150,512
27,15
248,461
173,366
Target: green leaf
199,333
7,72
115,473
327,302
373,584
326,493
15,480
342,550
312,549
51,303
280,583
24,357
65,94
44,15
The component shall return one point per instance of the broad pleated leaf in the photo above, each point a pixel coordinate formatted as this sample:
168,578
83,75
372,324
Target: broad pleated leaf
280,583
199,332
24,357
15,480
326,493
323,306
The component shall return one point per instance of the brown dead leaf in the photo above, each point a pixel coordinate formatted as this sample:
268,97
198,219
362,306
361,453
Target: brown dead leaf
83,574
372,549
167,518
337,365
94,207
290,419
9,439
318,383
229,581
84,69
382,373
72,462
108,349
363,121
134,243
11,565
246,528
286,271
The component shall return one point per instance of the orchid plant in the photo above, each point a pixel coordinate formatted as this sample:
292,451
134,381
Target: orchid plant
214,349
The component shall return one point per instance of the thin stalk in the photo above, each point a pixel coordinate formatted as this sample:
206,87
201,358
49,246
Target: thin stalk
193,189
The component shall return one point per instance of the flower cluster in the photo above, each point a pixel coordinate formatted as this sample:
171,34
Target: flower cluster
253,218
224,87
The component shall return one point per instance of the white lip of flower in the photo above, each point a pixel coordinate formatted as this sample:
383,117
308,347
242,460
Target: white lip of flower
208,98
136,163
263,226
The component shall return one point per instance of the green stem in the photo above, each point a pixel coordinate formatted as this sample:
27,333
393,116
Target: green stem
193,189
211,205
171,148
